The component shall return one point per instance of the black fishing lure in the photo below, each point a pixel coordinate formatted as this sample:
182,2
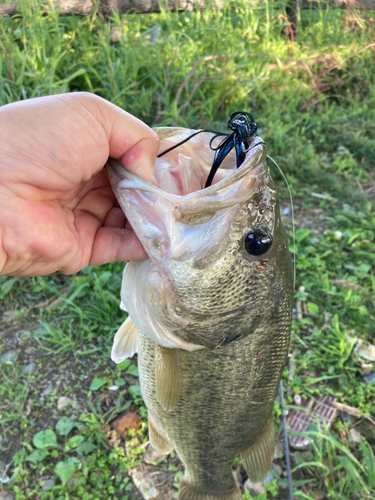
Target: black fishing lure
243,127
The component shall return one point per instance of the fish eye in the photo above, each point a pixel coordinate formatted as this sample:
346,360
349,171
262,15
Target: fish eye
258,242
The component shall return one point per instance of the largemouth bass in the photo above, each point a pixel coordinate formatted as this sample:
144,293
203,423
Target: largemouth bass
209,311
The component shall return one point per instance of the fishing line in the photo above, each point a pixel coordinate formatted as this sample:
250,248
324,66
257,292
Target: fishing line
281,392
293,224
188,139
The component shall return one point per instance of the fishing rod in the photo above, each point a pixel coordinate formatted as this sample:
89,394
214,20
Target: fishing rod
286,443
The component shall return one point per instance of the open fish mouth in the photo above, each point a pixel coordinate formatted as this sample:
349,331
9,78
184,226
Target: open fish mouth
181,175
174,217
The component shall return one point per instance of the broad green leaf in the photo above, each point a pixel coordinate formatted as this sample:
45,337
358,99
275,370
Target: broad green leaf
38,455
97,383
73,442
85,448
313,308
301,234
6,287
65,470
120,382
135,391
123,365
44,439
104,277
64,426
132,370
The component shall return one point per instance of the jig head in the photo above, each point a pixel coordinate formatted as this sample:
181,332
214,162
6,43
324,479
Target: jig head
243,127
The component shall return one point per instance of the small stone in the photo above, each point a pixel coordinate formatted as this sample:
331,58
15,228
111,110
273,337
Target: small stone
297,399
254,489
154,456
341,149
47,391
366,368
116,34
279,449
114,439
123,424
369,379
8,357
28,407
337,235
269,478
278,469
319,496
63,402
29,369
153,484
367,352
6,495
48,484
238,477
354,436
113,388
4,478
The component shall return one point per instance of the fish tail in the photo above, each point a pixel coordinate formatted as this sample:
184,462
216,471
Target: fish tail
187,492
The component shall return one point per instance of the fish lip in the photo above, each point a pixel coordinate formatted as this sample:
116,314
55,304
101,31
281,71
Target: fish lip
257,153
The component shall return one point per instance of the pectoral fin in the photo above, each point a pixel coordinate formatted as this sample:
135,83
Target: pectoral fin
125,343
168,376
257,459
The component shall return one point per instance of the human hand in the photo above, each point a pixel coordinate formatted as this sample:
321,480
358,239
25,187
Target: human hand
57,208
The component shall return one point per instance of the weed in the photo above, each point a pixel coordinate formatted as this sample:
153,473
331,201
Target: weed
313,100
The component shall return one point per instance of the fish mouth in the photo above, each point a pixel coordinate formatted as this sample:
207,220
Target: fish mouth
179,218
217,196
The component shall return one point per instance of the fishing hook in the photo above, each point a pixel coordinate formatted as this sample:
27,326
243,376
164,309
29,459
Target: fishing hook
243,127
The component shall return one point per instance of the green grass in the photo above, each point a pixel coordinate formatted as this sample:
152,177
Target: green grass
314,102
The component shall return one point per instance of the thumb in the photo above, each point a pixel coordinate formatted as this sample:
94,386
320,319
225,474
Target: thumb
130,140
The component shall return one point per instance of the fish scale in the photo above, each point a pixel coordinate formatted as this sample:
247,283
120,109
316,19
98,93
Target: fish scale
212,313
